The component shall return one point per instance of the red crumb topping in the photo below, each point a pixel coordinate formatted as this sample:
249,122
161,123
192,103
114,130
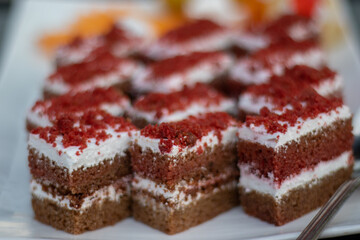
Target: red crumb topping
78,73
166,103
282,51
308,105
79,102
164,68
185,133
283,89
309,75
77,131
279,28
192,30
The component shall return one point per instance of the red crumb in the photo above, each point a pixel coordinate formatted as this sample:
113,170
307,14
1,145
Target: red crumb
281,51
192,30
283,89
166,103
77,130
185,133
308,105
79,73
178,64
79,102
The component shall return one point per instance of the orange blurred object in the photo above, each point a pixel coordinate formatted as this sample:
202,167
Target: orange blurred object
257,8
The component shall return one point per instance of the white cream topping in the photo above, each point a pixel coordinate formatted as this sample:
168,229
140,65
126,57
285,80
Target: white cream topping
276,140
216,41
203,72
120,75
251,103
92,155
178,195
226,105
210,140
98,197
251,182
243,70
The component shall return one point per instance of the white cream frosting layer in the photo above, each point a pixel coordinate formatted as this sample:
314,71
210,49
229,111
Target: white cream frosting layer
276,140
204,72
120,75
162,49
226,105
92,155
210,140
38,118
98,197
252,104
178,196
310,177
243,70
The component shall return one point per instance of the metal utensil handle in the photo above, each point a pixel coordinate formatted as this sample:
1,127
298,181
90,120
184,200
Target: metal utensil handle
315,227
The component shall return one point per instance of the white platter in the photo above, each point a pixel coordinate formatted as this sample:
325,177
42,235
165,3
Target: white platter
23,70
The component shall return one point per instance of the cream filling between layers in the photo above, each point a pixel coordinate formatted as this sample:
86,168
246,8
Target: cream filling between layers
204,72
98,197
252,103
122,74
277,140
210,140
311,177
177,196
92,155
243,70
226,105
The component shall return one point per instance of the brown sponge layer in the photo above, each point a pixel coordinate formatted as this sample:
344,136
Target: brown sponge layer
297,203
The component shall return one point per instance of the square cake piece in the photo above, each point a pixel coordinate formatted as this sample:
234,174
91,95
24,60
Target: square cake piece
184,172
292,162
81,171
196,36
118,40
258,67
101,70
44,112
175,106
280,90
174,73
296,27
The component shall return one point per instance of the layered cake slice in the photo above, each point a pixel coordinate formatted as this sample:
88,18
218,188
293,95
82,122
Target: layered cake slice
292,162
296,27
173,74
280,90
260,66
119,41
197,36
45,112
101,70
81,171
175,106
184,172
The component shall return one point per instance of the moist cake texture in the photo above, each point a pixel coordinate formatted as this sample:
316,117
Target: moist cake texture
180,168
306,149
80,169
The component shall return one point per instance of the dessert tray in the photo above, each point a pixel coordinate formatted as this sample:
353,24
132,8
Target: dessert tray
22,74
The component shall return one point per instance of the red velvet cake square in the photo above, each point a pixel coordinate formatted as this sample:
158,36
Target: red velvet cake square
184,172
292,162
81,172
